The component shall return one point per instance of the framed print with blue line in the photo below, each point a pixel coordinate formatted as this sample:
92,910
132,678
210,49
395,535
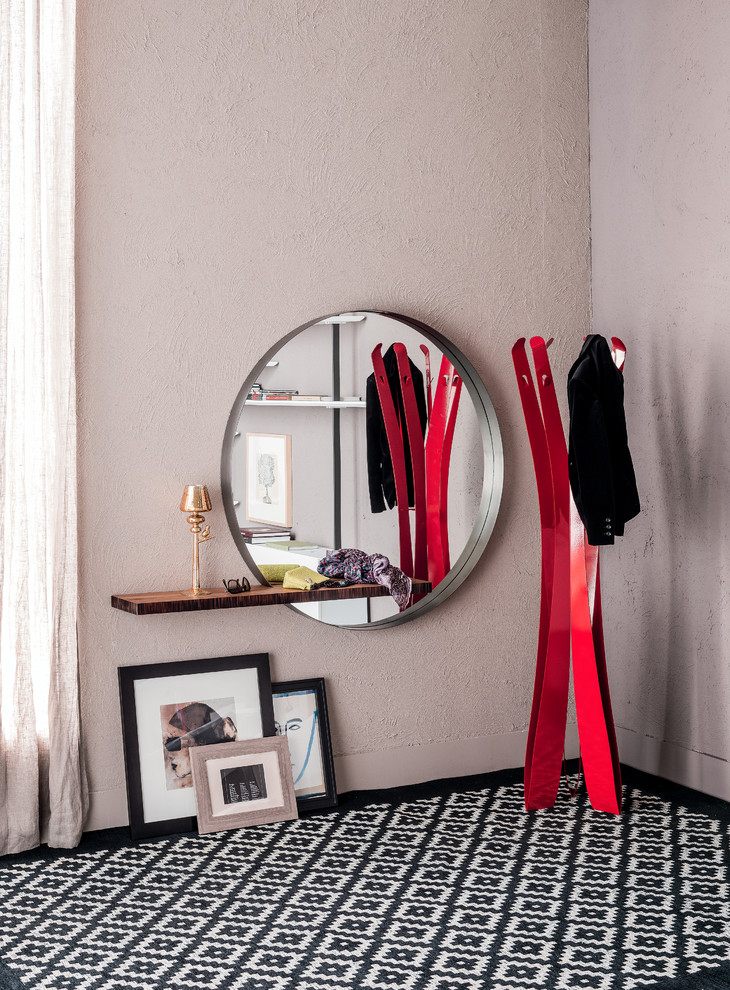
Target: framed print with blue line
300,714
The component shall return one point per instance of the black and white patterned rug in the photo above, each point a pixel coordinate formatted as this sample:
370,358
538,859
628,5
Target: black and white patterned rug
445,886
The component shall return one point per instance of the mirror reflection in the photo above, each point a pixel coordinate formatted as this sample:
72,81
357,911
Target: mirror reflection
363,436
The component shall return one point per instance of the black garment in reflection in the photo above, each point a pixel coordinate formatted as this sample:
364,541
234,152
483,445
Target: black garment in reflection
380,468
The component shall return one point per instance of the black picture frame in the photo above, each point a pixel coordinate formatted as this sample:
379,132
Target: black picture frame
315,685
129,678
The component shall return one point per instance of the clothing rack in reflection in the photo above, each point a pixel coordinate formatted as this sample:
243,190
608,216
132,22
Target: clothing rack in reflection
424,460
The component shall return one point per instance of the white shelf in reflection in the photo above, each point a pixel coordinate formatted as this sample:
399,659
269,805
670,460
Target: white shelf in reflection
360,404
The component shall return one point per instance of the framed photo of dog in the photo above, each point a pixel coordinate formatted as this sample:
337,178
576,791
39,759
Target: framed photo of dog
171,709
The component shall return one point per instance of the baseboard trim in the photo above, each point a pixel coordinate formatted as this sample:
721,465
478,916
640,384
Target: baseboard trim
434,761
385,768
481,754
700,771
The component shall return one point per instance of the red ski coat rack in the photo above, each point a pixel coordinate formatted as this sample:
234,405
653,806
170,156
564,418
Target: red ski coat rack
429,460
570,609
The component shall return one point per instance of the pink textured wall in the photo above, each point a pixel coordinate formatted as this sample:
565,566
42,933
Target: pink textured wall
660,158
243,168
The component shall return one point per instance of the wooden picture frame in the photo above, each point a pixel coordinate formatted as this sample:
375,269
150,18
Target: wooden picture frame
300,714
243,783
269,478
171,709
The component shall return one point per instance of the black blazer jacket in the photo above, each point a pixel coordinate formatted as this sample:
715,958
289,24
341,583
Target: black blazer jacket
381,481
601,471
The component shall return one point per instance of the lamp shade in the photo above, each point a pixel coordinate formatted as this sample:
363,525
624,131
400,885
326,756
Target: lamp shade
195,499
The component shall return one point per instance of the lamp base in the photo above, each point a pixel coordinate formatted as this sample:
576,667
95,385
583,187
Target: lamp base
200,593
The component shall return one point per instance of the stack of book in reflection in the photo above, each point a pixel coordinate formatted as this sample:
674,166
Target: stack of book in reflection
261,533
261,394
295,546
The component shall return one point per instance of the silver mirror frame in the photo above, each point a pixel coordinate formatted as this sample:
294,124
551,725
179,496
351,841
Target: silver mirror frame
491,493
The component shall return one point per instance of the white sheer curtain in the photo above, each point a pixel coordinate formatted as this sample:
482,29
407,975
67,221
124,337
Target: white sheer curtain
42,783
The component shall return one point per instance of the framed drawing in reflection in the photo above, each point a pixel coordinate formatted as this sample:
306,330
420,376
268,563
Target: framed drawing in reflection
268,478
300,714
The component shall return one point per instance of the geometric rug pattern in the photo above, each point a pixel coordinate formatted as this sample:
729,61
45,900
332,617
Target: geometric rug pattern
450,886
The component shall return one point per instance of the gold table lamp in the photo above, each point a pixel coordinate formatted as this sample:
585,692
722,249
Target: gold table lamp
196,500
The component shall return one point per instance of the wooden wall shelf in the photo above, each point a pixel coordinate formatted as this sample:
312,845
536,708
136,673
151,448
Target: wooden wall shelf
163,602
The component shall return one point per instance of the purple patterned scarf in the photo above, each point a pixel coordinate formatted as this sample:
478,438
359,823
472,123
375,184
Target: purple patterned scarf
374,568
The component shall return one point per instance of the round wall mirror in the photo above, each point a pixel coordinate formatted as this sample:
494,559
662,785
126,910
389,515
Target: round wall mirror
371,432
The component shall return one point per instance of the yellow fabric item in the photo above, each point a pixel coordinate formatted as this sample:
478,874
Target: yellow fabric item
274,573
303,578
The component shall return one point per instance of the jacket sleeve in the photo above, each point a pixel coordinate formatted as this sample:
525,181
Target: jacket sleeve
373,419
589,463
420,391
